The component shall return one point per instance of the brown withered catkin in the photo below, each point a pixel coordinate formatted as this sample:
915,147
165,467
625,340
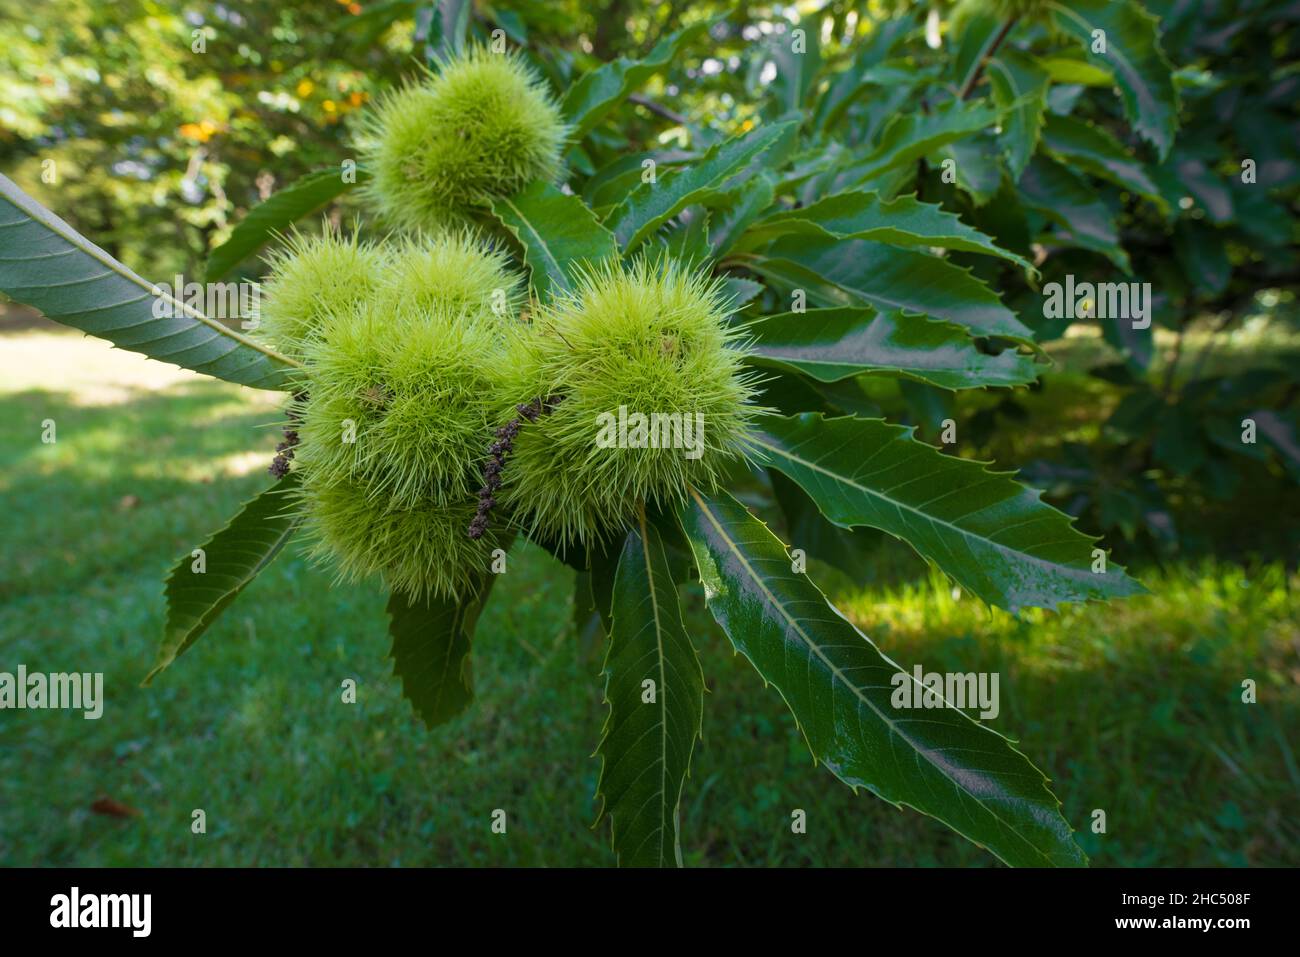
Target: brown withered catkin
500,451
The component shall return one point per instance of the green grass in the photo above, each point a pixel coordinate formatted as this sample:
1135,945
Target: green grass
1133,708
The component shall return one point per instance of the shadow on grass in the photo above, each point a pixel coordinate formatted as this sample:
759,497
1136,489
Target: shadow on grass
128,485
1132,708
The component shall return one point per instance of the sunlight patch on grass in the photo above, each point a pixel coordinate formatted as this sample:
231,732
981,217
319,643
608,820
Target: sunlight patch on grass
88,369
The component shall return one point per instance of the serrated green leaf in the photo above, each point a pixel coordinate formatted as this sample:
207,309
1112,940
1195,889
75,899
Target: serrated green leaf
910,136
646,747
733,213
688,241
46,263
230,560
904,221
980,30
796,72
431,648
867,69
1020,90
834,344
740,291
1133,55
858,272
612,183
991,534
596,93
1068,200
1093,149
846,697
442,28
277,213
558,232
977,164
846,549
653,204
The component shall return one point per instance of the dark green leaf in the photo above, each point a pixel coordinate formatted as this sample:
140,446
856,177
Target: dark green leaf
1135,345
1201,254
653,204
1191,177
1016,79
1094,150
740,291
1279,431
847,698
596,93
442,28
987,531
46,263
655,691
858,272
688,241
558,232
200,587
612,183
1067,200
977,166
904,221
1133,54
431,647
834,344
739,207
847,549
872,49
909,137
796,69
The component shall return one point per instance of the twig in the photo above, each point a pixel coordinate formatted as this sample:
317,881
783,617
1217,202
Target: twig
501,450
979,69
658,108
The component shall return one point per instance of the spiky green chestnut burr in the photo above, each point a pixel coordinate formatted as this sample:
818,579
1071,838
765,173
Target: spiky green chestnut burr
420,549
655,399
453,271
401,401
482,127
313,278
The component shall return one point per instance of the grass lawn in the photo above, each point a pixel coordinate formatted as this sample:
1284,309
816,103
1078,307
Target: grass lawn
1133,708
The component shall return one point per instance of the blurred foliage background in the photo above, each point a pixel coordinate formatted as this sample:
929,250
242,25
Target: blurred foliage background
154,127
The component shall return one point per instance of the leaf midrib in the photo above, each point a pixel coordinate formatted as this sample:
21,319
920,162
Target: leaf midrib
542,244
663,686
1139,87
876,493
812,646
42,217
